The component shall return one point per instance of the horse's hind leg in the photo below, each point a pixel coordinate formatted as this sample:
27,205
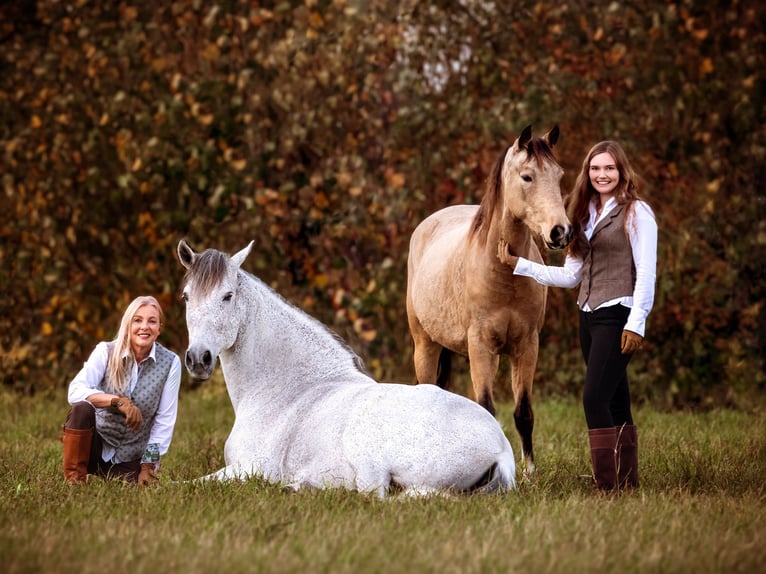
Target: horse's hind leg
426,355
427,361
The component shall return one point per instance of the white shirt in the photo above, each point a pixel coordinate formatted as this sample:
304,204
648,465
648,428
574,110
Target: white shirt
86,384
642,232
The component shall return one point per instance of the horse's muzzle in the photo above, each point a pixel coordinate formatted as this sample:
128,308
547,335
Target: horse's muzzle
561,235
199,364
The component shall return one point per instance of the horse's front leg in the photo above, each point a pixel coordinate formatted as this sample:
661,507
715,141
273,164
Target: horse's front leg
523,364
483,360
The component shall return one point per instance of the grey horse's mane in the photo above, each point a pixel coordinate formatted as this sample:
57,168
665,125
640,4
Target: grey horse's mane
537,149
208,270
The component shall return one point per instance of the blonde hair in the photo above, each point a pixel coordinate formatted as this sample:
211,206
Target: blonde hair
121,356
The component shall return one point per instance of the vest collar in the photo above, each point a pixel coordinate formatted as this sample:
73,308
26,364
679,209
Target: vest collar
608,218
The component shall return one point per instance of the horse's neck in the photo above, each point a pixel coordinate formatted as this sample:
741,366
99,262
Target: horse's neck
513,231
279,343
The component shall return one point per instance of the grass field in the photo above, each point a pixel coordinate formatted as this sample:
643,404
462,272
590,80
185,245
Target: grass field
701,506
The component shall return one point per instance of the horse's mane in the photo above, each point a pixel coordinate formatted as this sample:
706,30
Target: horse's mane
207,270
538,150
356,359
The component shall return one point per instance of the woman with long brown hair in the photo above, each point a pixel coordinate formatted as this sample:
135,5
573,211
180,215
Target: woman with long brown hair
613,258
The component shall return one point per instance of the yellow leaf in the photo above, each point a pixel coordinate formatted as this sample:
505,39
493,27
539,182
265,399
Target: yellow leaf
598,34
47,329
36,123
211,52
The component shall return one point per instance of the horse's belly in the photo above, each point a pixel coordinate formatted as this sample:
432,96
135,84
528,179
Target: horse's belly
436,289
441,317
423,435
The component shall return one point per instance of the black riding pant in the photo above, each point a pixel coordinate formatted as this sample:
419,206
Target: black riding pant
606,397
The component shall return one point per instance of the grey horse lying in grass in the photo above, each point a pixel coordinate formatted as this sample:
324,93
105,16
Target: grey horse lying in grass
306,412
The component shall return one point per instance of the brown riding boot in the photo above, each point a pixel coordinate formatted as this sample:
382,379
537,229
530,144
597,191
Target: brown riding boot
603,444
76,454
627,456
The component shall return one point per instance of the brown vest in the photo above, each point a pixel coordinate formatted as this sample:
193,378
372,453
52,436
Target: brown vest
608,268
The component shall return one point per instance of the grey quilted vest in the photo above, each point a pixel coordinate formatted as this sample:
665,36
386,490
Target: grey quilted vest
110,423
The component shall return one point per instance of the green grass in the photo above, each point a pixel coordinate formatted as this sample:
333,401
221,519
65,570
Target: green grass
700,508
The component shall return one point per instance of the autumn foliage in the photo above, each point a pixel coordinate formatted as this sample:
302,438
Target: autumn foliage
327,130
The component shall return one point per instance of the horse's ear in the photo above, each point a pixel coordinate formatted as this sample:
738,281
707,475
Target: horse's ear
552,136
186,254
239,258
524,138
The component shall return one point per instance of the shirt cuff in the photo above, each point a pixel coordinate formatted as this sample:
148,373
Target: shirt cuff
523,267
635,324
152,453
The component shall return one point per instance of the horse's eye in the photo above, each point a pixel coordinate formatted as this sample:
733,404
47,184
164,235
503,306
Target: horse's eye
184,297
527,178
228,296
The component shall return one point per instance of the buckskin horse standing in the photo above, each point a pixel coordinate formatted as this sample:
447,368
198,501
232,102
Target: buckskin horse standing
461,298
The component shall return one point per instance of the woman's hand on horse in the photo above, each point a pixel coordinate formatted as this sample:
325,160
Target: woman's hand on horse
630,342
133,416
504,254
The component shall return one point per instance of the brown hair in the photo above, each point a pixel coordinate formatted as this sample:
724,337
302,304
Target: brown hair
583,193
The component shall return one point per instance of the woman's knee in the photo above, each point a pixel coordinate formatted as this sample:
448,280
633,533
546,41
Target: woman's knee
82,415
597,413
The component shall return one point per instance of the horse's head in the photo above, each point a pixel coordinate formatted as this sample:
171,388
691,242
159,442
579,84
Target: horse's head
529,180
212,314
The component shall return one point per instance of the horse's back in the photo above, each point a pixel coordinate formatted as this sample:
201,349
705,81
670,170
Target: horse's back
443,230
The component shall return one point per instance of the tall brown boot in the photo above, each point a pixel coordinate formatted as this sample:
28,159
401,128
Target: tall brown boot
627,456
603,444
76,453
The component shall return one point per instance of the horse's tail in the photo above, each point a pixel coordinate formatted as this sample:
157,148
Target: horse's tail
501,476
444,369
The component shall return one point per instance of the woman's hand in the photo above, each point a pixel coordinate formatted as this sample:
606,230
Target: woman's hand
504,254
630,342
133,416
147,476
